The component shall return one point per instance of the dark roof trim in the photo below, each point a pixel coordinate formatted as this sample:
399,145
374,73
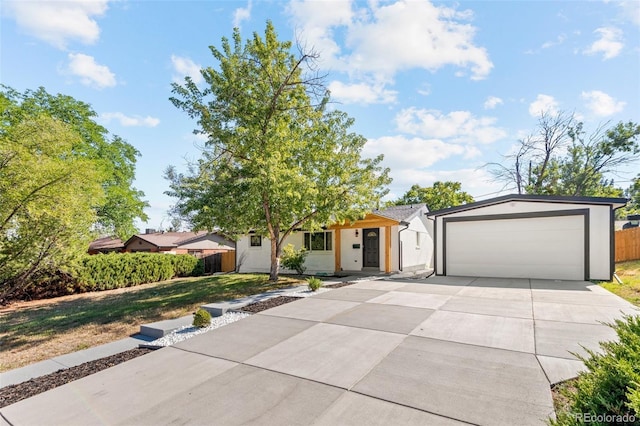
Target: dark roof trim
615,202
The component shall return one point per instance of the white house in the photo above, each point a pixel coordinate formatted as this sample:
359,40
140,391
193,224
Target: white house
390,240
527,236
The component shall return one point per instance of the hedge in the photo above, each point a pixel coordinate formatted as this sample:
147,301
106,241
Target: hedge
116,270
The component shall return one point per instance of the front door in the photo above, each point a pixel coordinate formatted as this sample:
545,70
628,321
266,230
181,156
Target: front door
371,243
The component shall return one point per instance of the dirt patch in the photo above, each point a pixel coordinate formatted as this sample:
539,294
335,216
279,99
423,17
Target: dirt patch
14,393
561,395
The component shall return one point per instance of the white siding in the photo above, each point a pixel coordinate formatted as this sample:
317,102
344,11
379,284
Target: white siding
417,245
258,259
350,258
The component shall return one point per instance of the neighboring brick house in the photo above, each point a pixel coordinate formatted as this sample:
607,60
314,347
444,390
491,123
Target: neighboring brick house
106,245
200,244
217,251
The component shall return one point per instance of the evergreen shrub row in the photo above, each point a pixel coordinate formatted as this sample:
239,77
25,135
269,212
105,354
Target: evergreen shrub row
109,271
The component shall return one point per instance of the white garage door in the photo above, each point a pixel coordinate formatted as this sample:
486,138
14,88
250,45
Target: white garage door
541,247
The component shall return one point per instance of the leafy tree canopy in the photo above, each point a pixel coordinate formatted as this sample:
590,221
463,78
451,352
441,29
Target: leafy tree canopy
114,158
560,158
61,180
276,157
439,196
632,193
47,197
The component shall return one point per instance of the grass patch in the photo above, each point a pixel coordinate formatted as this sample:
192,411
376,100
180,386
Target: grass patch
629,273
31,332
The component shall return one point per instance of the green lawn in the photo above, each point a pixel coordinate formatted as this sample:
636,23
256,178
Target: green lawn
629,273
58,326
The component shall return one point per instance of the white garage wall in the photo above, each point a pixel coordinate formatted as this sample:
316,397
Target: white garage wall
599,229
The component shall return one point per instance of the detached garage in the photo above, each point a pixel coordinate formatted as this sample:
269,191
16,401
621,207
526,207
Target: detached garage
527,236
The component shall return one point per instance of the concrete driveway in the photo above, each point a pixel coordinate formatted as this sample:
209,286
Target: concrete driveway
445,350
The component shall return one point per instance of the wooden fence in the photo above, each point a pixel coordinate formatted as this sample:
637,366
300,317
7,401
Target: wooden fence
627,244
229,261
220,262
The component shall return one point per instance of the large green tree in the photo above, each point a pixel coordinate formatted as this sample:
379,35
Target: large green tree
47,198
276,158
115,159
560,158
440,195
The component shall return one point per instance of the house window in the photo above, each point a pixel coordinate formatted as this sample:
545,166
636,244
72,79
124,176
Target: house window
417,239
318,241
196,253
255,240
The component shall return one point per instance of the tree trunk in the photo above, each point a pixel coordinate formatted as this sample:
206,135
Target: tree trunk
275,259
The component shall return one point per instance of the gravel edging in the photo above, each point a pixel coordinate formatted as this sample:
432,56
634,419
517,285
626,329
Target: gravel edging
14,393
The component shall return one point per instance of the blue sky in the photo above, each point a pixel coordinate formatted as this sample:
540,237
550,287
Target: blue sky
440,88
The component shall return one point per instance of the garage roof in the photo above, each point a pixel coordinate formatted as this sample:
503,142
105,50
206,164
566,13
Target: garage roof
614,202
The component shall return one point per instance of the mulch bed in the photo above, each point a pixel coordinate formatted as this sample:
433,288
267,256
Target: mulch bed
268,304
14,393
338,285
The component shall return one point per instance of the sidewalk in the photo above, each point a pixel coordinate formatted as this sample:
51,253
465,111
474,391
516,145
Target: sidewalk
73,359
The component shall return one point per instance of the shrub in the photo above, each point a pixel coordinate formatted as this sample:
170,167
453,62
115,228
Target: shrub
116,270
185,265
294,259
611,384
201,318
314,283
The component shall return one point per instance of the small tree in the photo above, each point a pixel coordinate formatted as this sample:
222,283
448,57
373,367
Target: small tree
439,196
294,259
276,158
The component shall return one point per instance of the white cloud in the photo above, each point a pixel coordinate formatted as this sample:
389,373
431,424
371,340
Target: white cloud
361,93
90,72
558,41
601,104
425,89
492,102
457,126
58,22
317,22
380,40
543,104
401,152
242,14
609,44
631,11
130,121
477,182
185,67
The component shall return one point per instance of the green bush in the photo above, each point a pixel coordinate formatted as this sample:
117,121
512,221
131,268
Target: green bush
201,318
116,270
185,265
294,259
611,384
314,283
